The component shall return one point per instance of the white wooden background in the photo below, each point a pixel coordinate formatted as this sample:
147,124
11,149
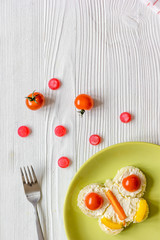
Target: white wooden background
109,49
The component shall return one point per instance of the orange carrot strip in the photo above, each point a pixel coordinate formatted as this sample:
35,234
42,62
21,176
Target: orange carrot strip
116,205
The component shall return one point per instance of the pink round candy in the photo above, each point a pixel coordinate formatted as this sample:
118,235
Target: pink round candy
94,139
23,131
125,117
60,131
63,162
54,84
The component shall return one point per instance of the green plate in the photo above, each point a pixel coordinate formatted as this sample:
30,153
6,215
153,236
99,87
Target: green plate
102,166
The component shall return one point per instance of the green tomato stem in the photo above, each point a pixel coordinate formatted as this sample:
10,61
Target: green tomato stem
81,112
33,98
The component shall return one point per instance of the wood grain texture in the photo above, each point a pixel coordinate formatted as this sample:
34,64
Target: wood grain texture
108,49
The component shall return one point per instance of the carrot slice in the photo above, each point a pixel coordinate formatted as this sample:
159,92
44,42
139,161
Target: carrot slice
116,205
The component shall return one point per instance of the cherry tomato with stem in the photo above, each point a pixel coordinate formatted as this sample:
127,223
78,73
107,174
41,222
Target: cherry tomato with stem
35,101
83,102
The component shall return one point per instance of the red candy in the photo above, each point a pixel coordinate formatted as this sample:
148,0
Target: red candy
63,162
125,117
54,84
23,131
94,139
60,131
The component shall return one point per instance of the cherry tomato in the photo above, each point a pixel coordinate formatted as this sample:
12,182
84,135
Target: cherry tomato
63,162
23,131
83,102
131,183
54,84
35,101
94,139
125,117
93,201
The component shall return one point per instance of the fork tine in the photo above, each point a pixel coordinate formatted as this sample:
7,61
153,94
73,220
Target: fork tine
30,175
23,179
34,175
26,176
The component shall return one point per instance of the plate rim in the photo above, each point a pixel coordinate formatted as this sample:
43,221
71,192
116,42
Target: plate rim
86,162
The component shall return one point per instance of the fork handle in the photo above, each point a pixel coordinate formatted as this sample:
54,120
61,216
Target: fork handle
38,225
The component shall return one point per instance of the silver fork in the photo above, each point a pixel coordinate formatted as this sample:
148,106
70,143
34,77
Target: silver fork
33,194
